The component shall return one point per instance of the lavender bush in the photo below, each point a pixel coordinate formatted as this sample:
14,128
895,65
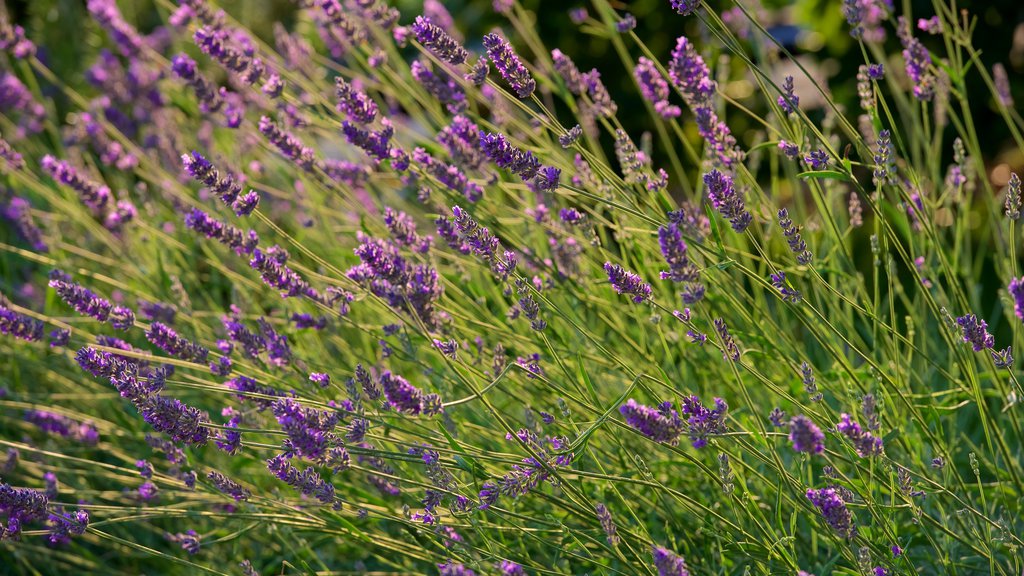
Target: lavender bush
374,295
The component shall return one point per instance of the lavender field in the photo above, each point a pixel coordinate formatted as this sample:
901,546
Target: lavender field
412,287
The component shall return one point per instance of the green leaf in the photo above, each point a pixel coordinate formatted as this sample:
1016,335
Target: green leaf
825,175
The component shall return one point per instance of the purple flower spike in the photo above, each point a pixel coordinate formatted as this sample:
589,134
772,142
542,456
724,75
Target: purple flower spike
685,7
690,74
654,88
1016,289
866,444
625,282
240,242
206,92
509,65
354,103
435,39
19,326
668,563
289,146
975,332
661,425
83,300
727,200
805,436
833,509
165,338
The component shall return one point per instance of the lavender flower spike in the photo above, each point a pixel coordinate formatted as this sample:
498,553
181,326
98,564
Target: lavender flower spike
975,332
668,563
435,39
509,65
833,509
805,436
625,282
654,88
1016,289
727,200
661,425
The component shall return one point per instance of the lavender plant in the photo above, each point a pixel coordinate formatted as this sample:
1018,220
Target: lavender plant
377,294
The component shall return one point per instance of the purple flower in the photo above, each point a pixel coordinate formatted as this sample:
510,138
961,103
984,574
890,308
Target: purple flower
83,300
375,143
230,439
188,540
690,74
792,233
453,569
505,155
627,23
975,332
20,326
449,348
228,486
157,311
270,265
818,160
320,379
224,186
790,149
661,425
702,421
1003,358
1002,83
289,146
356,105
12,38
206,92
59,337
668,563
604,517
685,7
215,43
405,397
63,524
918,62
183,423
674,250
727,200
885,160
310,431
778,280
570,137
625,282
1016,289
95,196
449,175
509,65
147,491
654,88
52,423
307,481
866,444
124,35
718,136
435,39
833,510
789,102
167,339
510,568
239,241
18,212
805,436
